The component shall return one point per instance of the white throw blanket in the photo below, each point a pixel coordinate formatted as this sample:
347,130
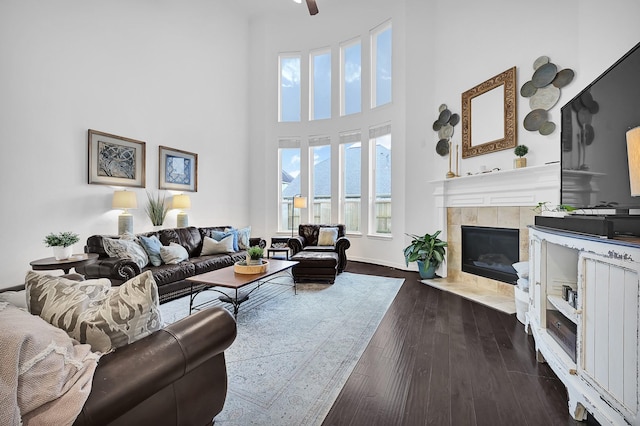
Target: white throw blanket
45,376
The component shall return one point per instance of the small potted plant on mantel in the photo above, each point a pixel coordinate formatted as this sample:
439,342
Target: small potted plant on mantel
520,151
61,243
428,251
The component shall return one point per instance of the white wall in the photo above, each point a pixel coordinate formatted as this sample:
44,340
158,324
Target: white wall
167,73
441,49
197,76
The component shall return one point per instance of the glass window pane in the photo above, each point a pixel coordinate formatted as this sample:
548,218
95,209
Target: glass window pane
321,197
290,186
382,189
351,185
289,89
352,78
382,67
321,89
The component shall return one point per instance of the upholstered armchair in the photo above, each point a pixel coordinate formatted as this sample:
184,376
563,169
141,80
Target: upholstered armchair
308,239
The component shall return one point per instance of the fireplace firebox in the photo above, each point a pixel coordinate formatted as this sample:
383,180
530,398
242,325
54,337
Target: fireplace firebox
490,252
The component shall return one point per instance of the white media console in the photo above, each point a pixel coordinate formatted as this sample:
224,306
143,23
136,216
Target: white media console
593,347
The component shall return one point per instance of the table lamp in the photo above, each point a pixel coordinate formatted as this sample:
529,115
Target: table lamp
182,202
125,200
298,203
633,156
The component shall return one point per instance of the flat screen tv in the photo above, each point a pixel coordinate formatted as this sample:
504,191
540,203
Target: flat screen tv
595,173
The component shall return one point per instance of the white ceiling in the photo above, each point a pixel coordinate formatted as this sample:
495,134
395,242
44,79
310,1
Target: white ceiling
279,7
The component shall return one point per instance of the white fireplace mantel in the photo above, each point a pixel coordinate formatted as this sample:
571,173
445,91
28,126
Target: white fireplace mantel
526,186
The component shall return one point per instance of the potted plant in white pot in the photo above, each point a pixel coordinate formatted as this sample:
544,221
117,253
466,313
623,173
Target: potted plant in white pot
254,255
62,244
428,251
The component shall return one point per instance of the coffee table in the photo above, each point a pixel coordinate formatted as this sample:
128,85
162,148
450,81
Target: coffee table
228,278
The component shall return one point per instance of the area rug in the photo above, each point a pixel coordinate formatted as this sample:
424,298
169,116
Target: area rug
294,352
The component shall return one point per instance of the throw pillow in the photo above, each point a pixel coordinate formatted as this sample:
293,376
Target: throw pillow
173,254
211,246
244,237
46,376
219,235
108,321
61,294
126,249
152,246
327,236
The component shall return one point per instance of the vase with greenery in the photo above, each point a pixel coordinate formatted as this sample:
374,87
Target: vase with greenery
428,251
520,151
157,208
61,243
254,255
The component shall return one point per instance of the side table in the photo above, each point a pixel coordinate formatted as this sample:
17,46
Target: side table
50,263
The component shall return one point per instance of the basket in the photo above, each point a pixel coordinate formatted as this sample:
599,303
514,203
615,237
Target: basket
242,268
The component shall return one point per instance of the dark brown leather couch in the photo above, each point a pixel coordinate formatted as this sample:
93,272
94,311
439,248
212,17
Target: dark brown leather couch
307,240
175,376
171,279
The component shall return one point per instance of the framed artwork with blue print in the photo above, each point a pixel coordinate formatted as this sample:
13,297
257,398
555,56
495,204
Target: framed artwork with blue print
116,160
178,170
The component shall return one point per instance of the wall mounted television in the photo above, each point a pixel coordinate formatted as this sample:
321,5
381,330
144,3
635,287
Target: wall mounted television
595,173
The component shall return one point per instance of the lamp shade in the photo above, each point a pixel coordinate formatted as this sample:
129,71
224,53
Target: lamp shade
181,201
633,155
300,202
124,200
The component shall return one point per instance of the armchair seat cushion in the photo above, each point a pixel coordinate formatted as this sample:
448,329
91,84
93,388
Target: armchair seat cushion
315,266
320,249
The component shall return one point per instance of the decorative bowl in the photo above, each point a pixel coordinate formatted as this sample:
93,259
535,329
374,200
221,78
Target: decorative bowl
242,268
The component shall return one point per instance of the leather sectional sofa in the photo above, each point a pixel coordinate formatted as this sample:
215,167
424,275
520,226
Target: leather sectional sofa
171,279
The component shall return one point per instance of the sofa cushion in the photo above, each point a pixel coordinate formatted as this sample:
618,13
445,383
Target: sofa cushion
123,315
189,238
220,235
152,246
244,238
46,292
165,274
211,246
173,254
47,376
126,249
209,263
327,236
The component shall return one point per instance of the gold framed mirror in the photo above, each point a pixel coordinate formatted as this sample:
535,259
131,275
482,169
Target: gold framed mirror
490,102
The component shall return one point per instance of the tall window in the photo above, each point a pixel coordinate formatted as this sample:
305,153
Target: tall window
351,71
320,156
351,180
380,166
289,88
289,161
381,65
321,85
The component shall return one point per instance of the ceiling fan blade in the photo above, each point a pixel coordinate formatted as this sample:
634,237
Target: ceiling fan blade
313,7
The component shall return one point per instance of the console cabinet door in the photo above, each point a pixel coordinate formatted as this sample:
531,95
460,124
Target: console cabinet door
609,337
535,274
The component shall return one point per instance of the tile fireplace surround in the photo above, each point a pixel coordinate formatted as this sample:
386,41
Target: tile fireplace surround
503,199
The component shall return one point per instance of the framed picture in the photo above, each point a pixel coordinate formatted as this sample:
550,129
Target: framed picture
178,170
116,160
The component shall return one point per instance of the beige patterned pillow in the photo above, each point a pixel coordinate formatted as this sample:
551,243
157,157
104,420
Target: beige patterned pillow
126,249
123,315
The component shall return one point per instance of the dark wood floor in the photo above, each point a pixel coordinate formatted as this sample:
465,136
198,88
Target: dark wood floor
440,359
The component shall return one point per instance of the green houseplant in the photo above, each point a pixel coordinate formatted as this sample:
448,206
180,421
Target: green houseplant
254,255
520,151
61,243
157,208
428,251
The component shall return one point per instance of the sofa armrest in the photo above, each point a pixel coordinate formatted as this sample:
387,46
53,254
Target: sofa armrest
134,373
114,268
257,241
296,244
342,244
